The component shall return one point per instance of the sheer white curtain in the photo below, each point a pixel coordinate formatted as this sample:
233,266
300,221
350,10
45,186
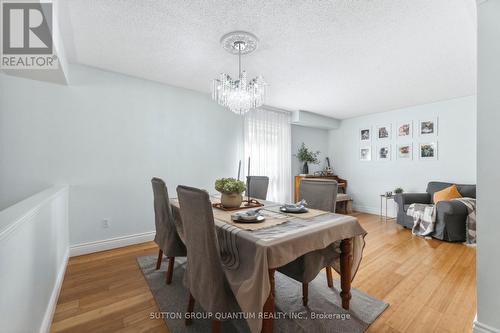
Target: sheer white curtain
267,141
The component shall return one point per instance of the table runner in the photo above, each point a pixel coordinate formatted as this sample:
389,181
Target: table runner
305,216
300,247
272,219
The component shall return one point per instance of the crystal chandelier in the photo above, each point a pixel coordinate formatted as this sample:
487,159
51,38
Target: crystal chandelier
239,95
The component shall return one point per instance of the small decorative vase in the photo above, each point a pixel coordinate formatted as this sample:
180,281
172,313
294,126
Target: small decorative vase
305,168
232,200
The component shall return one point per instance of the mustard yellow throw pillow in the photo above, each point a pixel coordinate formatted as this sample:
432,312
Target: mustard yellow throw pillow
447,194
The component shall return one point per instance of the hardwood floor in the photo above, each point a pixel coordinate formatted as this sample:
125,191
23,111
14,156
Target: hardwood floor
429,284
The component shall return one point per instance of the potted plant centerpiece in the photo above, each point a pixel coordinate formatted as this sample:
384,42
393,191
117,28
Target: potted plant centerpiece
231,190
306,156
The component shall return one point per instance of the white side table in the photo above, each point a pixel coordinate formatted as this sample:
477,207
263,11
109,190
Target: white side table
383,215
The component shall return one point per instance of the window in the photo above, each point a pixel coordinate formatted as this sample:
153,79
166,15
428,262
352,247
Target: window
267,138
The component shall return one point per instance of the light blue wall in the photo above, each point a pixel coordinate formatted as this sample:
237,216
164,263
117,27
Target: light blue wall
106,135
315,139
456,149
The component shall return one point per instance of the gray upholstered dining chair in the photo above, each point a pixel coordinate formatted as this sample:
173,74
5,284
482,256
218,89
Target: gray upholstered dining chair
166,236
204,276
319,194
257,186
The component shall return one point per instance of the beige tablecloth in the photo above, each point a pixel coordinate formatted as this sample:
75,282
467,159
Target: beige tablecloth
299,247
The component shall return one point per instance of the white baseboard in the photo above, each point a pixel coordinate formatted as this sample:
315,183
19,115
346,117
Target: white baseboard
366,209
112,243
478,327
54,296
371,210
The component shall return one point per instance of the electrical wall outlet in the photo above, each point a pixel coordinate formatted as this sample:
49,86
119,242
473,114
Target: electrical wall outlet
106,223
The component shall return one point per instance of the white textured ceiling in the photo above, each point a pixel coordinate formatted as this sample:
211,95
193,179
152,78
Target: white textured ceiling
340,58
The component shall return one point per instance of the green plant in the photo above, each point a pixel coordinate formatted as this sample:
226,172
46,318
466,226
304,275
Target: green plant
306,155
229,186
398,190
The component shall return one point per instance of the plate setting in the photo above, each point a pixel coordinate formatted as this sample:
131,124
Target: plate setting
295,208
250,216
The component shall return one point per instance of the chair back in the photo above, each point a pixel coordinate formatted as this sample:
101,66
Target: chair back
204,275
166,234
257,186
319,193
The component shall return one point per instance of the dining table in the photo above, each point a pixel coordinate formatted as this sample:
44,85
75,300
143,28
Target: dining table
299,245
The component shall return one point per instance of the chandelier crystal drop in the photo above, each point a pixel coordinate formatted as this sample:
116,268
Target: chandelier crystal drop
239,95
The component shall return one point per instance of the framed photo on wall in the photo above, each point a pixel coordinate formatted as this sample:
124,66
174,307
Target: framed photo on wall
365,153
384,153
404,151
365,134
383,132
404,130
428,151
428,127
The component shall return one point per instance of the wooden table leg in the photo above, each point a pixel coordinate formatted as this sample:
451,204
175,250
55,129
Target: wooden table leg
305,293
268,310
345,272
329,276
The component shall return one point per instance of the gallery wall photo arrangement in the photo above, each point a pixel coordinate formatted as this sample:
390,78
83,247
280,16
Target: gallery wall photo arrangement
428,151
399,135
